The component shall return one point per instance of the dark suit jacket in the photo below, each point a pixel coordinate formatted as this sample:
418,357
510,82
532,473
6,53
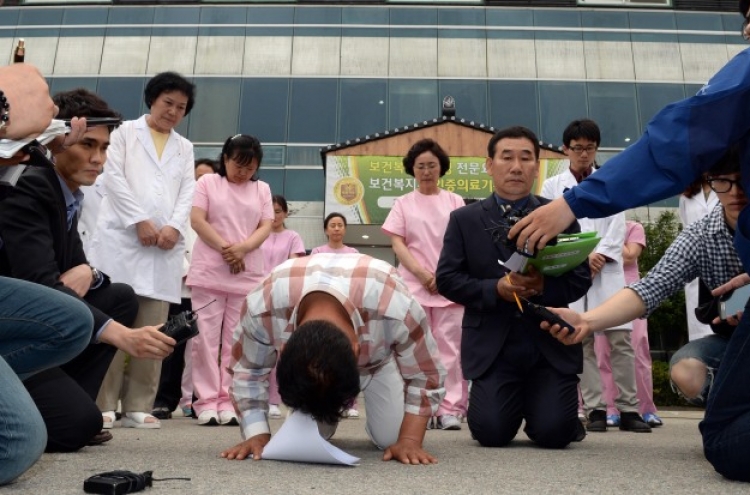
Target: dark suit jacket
468,272
37,245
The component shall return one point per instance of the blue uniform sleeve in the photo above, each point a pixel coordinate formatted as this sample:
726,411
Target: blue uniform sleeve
682,141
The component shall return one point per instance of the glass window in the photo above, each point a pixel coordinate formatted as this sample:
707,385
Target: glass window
274,177
304,185
653,97
604,19
413,17
461,17
312,114
652,20
259,17
263,109
274,155
365,15
698,21
9,17
559,104
514,103
59,84
303,155
508,17
363,108
124,94
692,89
216,104
557,18
39,17
317,15
470,96
210,152
176,17
611,105
411,101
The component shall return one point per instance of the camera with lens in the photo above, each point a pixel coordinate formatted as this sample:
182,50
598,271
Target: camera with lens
510,217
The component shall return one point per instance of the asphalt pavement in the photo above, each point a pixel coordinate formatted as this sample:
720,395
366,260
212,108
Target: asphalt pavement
669,460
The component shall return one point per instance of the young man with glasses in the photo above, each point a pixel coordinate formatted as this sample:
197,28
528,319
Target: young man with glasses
581,139
703,249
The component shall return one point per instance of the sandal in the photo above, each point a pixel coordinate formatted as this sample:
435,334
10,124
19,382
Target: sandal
108,420
138,420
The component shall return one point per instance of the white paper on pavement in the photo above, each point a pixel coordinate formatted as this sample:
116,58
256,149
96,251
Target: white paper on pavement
298,440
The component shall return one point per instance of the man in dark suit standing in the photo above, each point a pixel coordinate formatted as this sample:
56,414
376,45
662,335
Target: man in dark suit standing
518,371
40,243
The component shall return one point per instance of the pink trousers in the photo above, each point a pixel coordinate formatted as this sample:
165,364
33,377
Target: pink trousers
643,378
445,323
212,348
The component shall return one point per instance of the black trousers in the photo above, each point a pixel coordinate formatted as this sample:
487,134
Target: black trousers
522,385
170,381
66,396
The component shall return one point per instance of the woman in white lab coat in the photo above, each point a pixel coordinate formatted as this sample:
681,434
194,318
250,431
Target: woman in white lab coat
149,185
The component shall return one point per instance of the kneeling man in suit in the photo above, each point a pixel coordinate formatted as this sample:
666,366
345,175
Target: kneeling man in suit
518,371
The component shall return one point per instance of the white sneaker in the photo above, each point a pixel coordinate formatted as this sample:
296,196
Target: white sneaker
208,418
448,422
351,414
274,412
228,418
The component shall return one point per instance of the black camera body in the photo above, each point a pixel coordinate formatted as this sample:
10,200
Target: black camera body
181,327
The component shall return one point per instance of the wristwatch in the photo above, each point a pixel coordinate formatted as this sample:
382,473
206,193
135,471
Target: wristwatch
96,276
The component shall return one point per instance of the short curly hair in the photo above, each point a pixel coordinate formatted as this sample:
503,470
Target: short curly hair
317,371
423,146
169,81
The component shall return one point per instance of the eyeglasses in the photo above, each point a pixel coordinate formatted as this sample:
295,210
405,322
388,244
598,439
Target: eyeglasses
430,166
580,149
724,185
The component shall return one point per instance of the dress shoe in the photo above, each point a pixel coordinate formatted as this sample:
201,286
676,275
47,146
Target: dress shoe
580,432
100,438
597,420
632,421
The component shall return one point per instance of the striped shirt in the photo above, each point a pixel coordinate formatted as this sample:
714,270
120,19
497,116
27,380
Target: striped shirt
704,249
385,316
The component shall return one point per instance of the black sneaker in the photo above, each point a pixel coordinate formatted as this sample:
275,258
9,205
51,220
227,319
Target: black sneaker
632,421
580,432
161,413
597,420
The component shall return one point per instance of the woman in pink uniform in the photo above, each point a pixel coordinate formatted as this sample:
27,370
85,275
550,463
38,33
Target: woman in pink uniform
232,215
283,244
335,228
416,225
635,241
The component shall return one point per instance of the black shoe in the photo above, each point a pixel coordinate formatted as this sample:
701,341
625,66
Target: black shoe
632,421
161,413
580,432
597,420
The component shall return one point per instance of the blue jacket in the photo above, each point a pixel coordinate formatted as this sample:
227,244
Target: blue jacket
682,141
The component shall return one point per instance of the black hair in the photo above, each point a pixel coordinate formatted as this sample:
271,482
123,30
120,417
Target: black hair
514,132
317,371
166,82
727,164
331,216
281,201
243,149
423,146
582,129
81,102
206,161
